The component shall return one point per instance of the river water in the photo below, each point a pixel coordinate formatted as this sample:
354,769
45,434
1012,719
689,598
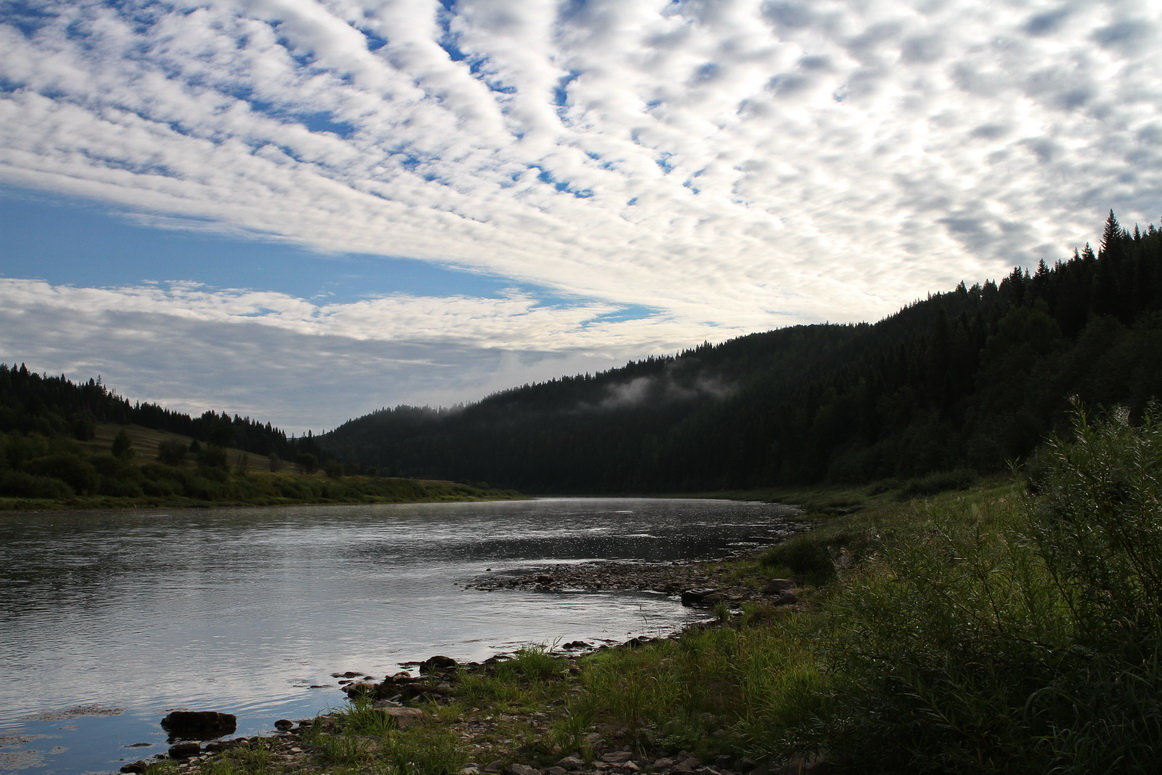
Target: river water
110,620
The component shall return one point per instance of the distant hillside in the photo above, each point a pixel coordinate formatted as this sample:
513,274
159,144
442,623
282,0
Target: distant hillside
967,379
69,445
51,406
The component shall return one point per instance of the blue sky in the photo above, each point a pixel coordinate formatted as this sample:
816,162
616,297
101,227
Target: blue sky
69,241
303,210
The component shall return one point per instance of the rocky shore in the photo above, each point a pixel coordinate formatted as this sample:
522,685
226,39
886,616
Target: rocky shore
717,585
694,583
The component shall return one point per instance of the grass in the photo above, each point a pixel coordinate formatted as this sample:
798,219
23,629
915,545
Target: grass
1015,626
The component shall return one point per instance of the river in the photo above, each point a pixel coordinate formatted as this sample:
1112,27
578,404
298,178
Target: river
110,620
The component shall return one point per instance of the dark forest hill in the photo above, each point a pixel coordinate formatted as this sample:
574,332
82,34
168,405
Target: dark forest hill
967,379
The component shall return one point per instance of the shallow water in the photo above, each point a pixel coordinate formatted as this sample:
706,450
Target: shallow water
109,620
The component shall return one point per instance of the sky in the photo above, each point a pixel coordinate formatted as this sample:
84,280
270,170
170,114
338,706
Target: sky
304,210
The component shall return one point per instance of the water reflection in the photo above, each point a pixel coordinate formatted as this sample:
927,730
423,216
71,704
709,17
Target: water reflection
243,610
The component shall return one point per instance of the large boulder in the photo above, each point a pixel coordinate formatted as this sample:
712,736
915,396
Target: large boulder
199,724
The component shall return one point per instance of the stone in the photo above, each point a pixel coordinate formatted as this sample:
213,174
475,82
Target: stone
571,763
522,769
184,750
199,724
284,725
404,718
778,586
694,597
617,757
785,598
361,689
140,766
438,665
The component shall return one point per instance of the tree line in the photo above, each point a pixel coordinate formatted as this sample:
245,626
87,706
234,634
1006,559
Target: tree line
963,381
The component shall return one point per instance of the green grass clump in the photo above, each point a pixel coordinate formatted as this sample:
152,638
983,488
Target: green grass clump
362,739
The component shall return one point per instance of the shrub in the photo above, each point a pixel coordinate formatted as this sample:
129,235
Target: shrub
20,484
78,473
1027,638
171,452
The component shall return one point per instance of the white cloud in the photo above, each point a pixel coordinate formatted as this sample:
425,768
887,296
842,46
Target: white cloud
747,163
273,356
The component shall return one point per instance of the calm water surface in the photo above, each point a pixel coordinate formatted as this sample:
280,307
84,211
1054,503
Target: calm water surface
108,621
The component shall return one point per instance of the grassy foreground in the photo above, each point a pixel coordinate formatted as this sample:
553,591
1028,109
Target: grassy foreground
1015,627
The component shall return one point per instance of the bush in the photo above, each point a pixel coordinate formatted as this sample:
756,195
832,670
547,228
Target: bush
22,485
78,473
171,452
1025,639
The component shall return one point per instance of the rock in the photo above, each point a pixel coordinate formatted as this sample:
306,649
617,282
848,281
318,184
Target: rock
785,598
438,665
556,771
284,725
694,597
199,724
689,764
522,769
184,750
571,763
404,717
361,689
577,645
617,757
778,586
140,766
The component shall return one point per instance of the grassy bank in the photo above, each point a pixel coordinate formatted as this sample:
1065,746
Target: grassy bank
1013,627
177,488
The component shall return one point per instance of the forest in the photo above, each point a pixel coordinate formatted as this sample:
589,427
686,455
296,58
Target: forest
960,383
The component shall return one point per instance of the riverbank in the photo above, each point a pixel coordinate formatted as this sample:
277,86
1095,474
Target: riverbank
281,489
526,713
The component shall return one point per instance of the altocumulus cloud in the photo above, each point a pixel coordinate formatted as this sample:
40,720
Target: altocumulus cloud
730,165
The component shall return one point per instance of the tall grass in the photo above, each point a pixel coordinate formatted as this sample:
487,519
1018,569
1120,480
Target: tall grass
1024,637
